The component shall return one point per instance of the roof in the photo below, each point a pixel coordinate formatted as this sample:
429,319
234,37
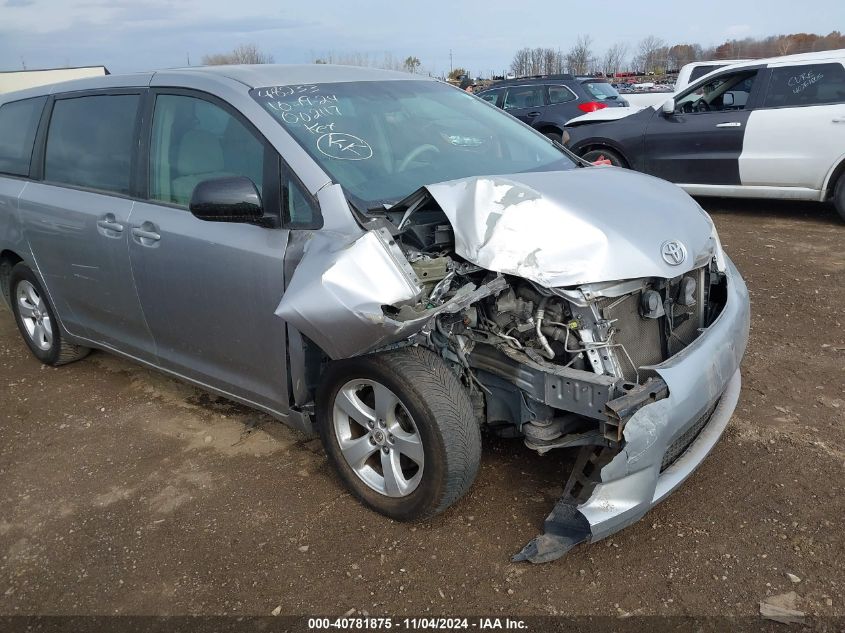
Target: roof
43,70
532,79
251,76
260,75
723,62
792,59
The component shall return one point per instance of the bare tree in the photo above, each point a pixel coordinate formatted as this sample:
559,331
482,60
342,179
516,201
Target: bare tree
360,58
614,58
784,45
648,54
550,61
536,61
457,73
580,56
520,66
243,54
411,63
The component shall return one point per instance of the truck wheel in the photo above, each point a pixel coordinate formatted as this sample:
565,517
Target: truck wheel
37,321
604,154
400,430
839,196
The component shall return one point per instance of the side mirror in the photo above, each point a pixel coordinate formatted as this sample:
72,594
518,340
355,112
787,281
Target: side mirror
231,199
727,99
668,107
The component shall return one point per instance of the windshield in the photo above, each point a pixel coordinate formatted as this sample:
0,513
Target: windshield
601,90
382,140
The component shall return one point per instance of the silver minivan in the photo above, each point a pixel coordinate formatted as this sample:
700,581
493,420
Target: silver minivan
385,260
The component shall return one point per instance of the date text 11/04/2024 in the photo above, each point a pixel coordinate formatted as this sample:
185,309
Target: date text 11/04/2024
362,623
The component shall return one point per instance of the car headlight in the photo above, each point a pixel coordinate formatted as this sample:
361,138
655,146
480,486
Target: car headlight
718,253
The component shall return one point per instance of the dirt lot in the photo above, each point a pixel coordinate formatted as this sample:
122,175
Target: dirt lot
125,492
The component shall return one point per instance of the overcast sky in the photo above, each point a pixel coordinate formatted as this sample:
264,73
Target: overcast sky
129,35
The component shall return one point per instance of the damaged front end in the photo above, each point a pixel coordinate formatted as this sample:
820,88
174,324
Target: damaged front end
565,324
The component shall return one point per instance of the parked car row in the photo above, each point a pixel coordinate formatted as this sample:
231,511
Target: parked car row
758,129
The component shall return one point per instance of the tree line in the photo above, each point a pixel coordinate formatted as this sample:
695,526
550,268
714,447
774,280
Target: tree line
650,55
654,55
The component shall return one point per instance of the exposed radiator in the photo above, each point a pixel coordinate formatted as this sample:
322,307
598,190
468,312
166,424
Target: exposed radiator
647,341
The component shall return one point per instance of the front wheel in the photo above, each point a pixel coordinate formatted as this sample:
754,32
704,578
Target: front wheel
37,321
839,196
604,154
400,430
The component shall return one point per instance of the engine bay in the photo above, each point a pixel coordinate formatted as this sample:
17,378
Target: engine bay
580,348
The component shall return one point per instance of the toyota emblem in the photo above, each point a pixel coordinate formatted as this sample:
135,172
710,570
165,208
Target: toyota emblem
674,253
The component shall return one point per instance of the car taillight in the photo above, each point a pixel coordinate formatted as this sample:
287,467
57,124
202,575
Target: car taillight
591,106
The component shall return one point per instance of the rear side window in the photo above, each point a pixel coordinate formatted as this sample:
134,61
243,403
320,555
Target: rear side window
699,71
90,141
810,84
18,124
601,90
524,97
490,96
560,94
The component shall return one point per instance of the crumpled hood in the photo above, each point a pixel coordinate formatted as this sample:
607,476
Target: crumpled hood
574,227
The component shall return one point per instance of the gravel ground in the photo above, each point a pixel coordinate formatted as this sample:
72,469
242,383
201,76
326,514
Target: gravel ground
125,492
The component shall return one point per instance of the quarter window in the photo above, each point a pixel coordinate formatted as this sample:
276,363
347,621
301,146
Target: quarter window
300,212
809,84
524,97
18,124
194,140
560,94
90,141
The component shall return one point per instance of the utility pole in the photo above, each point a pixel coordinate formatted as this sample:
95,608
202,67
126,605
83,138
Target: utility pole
189,58
450,61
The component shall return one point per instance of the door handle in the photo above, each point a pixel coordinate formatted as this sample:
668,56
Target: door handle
146,234
839,119
108,223
729,124
533,114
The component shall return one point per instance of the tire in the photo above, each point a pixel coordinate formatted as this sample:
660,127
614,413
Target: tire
839,196
436,442
597,154
37,322
555,136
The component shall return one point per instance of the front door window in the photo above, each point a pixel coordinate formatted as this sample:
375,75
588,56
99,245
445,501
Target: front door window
727,92
194,140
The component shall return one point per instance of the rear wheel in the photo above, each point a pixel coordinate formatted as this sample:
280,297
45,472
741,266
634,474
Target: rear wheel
400,430
604,154
37,321
555,136
839,196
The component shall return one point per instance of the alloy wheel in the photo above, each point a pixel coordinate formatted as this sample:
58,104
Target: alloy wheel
34,316
378,438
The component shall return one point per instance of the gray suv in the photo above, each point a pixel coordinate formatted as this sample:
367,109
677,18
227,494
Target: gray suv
383,259
548,102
